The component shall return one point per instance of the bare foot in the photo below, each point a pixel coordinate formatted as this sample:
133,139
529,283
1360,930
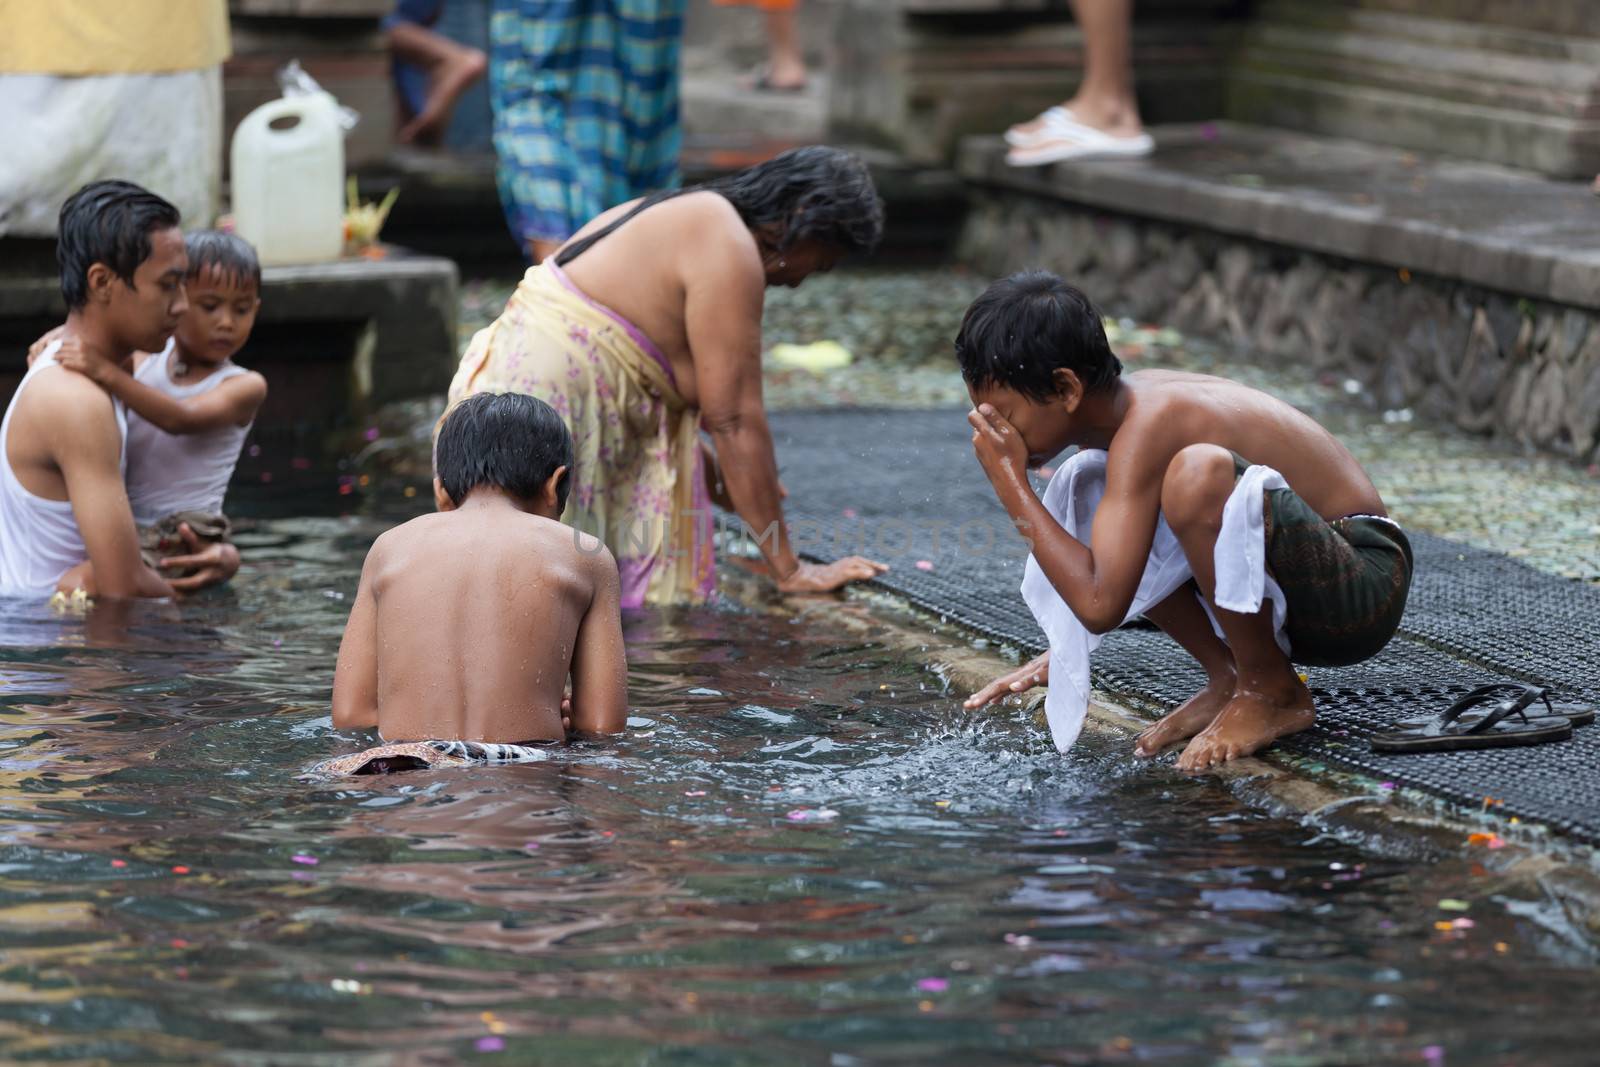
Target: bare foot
446,82
1194,715
776,78
1248,723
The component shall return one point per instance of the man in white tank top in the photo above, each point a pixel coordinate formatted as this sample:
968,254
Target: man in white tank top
62,441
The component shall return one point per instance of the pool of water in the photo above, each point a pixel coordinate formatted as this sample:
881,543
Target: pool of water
802,852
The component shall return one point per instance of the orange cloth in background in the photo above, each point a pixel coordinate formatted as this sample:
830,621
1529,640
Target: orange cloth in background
764,5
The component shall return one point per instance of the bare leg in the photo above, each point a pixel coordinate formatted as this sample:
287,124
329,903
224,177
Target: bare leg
786,63
1182,618
1105,97
1269,700
452,68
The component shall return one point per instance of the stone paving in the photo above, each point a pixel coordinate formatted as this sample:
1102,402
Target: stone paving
1463,290
899,325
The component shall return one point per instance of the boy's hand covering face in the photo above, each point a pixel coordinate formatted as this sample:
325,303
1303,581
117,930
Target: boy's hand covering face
999,447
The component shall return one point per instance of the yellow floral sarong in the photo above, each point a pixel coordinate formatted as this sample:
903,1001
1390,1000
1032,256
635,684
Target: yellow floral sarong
637,479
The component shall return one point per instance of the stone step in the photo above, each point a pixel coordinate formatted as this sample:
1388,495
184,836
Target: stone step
1488,225
1578,17
335,339
716,105
1466,290
918,75
1381,71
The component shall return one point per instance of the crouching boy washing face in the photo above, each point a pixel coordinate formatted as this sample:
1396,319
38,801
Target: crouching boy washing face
1042,378
468,622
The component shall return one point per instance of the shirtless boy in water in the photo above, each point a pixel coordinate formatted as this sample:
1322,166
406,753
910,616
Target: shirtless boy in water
468,622
1042,378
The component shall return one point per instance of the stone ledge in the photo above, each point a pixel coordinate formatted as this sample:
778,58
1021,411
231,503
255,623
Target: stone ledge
1464,222
393,321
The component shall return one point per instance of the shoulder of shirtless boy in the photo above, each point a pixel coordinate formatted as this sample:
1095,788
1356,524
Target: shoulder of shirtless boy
1154,432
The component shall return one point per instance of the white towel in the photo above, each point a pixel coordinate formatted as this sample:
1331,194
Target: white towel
1242,580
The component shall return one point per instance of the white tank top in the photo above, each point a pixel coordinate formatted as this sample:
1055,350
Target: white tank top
168,473
39,538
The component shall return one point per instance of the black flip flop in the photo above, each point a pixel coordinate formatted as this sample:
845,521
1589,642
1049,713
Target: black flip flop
1451,731
1574,712
765,84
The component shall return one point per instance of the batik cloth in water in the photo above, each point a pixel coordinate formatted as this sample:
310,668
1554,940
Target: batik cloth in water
585,98
637,478
435,755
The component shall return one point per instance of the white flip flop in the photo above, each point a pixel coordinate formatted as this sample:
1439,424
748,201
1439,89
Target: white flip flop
1074,141
1047,120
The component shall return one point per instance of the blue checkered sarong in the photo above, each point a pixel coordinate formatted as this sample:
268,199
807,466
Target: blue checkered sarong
585,96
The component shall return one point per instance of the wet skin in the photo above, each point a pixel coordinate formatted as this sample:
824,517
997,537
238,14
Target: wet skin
1168,436
467,624
692,277
220,313
63,442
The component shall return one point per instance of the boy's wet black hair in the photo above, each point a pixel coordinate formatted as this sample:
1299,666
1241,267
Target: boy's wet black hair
1026,327
507,441
229,252
107,222
815,193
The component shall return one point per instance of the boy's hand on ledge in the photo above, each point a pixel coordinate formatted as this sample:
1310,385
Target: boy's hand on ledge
1000,450
819,577
1024,678
213,564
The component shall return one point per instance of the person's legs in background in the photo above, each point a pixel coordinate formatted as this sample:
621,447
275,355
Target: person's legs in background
786,62
585,100
447,69
785,69
1102,117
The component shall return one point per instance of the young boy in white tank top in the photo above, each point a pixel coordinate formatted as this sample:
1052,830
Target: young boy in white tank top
190,406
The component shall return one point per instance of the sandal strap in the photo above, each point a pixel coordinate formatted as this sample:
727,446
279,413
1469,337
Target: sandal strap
1516,706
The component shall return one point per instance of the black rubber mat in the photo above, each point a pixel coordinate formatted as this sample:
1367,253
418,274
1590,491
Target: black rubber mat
903,487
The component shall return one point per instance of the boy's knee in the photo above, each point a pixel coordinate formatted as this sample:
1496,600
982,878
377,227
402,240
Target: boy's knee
1198,482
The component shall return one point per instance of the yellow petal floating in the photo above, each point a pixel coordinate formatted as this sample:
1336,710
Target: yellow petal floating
816,357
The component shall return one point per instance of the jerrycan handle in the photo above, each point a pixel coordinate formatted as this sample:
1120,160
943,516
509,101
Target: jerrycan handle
285,120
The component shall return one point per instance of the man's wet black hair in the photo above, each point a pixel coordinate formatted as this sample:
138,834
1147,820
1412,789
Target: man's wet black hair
507,441
1026,327
231,254
107,222
815,193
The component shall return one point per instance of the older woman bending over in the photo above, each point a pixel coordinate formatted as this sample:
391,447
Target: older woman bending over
644,329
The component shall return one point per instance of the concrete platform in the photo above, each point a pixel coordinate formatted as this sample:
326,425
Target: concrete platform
1474,222
333,339
1467,291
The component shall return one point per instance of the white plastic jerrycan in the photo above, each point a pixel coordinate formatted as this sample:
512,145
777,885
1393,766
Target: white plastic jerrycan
288,180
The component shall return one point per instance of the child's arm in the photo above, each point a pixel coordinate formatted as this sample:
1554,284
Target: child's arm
232,403
355,678
1098,581
54,333
599,662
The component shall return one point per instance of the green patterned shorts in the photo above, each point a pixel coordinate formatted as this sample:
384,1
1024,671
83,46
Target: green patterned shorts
1345,581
